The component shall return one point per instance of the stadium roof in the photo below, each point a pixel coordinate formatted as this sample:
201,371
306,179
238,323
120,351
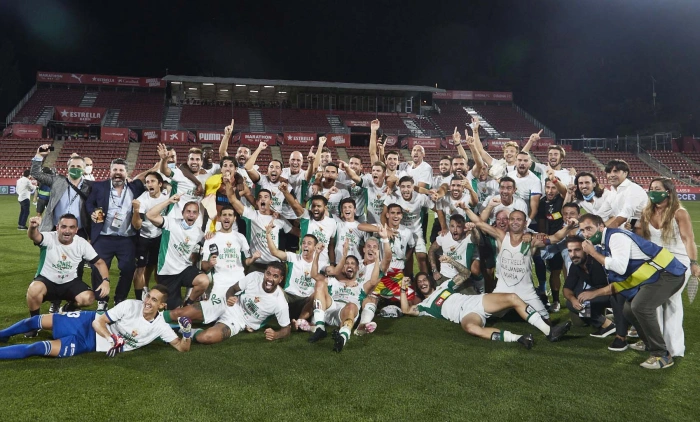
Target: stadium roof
300,84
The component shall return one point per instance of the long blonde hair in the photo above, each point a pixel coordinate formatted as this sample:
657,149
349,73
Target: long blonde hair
667,233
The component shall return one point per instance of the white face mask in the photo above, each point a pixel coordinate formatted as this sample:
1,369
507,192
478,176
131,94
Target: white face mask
88,169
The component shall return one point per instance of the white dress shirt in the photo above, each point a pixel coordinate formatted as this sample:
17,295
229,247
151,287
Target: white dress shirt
628,200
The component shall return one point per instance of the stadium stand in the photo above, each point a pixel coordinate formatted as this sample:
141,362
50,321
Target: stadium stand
295,120
137,106
16,154
213,117
48,97
505,119
675,162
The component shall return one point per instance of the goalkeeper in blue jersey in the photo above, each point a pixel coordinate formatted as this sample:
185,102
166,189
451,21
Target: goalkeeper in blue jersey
128,326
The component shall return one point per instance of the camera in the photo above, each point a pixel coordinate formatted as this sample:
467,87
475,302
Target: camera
51,148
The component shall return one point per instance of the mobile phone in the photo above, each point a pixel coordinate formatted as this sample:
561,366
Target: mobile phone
50,148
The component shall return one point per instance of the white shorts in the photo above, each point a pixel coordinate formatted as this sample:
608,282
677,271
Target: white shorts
526,291
420,242
473,304
215,306
333,314
233,318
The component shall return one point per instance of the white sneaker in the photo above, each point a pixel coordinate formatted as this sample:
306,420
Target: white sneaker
556,307
638,346
632,332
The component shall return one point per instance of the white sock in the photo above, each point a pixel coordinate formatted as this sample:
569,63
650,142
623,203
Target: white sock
345,333
319,316
368,313
535,319
505,336
509,337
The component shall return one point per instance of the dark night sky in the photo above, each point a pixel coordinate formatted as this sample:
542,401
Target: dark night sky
581,67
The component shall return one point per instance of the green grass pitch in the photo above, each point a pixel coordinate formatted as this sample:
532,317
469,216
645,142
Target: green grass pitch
409,369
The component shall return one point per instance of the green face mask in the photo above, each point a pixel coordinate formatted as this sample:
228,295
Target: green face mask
75,173
596,238
657,197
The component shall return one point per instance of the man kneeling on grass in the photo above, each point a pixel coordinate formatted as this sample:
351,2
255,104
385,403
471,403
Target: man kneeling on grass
471,311
258,299
129,325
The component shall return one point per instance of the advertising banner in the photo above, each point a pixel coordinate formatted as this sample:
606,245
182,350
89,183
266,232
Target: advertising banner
391,140
497,144
301,138
170,136
473,95
26,131
82,115
357,123
85,79
256,138
114,134
150,135
338,140
209,136
433,143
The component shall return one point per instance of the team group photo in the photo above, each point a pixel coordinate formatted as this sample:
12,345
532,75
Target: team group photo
282,234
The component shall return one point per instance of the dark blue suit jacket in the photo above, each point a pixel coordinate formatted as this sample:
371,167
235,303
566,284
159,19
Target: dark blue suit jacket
99,198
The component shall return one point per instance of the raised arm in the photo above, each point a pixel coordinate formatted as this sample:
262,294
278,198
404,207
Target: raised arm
153,214
281,255
373,128
317,157
223,146
250,164
163,163
136,220
350,172
291,200
231,195
35,171
373,281
484,226
320,278
33,232
478,160
310,165
386,248
533,140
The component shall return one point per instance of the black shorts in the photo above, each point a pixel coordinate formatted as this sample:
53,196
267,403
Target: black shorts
147,251
66,291
556,262
176,282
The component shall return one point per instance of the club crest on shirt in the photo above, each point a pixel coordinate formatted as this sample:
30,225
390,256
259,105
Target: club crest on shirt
187,239
63,257
134,333
257,299
228,244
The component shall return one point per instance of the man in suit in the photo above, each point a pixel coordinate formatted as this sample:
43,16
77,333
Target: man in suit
68,196
112,235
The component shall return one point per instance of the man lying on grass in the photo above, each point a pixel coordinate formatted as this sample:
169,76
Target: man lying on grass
129,325
250,302
471,311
